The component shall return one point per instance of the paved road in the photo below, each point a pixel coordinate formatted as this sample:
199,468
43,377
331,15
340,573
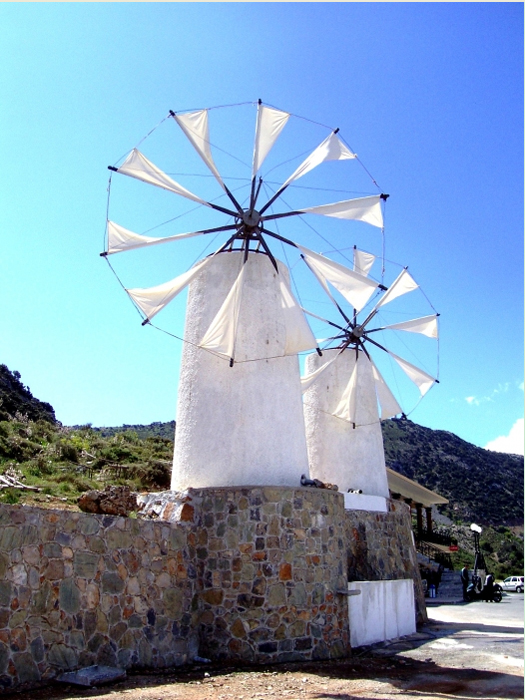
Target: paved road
476,649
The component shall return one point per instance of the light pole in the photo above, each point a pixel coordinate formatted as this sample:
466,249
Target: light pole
479,560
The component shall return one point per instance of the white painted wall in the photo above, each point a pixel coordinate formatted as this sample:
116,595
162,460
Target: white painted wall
352,458
360,501
240,425
384,610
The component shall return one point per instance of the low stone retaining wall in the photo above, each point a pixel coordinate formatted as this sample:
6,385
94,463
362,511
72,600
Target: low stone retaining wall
253,574
79,589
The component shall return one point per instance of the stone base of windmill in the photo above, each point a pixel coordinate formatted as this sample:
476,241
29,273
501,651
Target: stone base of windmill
275,567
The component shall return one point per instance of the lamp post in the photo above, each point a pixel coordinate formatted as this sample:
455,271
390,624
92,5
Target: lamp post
479,560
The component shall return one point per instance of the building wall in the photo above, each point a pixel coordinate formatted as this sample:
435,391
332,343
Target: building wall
253,574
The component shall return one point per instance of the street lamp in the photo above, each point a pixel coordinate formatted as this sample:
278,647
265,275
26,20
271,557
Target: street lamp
479,560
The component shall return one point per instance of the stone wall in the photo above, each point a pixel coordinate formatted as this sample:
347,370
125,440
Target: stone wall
381,546
79,589
270,563
253,574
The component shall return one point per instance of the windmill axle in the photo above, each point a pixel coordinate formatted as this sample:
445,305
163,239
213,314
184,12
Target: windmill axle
251,219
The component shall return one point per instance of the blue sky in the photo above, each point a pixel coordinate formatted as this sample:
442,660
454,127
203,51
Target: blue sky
430,95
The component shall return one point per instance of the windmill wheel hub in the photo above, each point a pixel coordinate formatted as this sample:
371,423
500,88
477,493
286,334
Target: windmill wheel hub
358,332
251,219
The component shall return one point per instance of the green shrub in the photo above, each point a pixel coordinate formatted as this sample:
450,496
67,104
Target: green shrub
11,496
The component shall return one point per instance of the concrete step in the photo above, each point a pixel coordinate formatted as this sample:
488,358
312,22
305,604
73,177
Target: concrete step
450,590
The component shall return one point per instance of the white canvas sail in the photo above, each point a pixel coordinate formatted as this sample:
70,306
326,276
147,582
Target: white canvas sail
222,332
121,239
356,289
420,378
426,325
367,209
270,123
387,401
347,407
299,336
363,262
402,285
308,379
195,126
332,148
138,166
154,299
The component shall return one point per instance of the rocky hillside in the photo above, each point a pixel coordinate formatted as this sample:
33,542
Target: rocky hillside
17,398
482,486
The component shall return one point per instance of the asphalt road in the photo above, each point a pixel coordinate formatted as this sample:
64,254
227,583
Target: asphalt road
476,650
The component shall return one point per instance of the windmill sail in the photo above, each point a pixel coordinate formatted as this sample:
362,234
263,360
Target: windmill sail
347,407
195,126
367,209
121,239
387,401
420,378
299,336
153,299
270,123
332,148
220,336
356,289
426,325
222,332
363,262
402,285
138,166
308,379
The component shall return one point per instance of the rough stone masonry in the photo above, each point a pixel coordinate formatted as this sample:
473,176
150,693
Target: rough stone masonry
253,574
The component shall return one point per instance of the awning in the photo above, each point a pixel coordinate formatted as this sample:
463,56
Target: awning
397,483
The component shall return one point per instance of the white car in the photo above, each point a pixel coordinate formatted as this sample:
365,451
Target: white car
513,583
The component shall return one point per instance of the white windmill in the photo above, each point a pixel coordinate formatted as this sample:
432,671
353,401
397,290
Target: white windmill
346,394
239,416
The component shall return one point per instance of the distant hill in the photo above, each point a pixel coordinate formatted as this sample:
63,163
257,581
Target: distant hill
482,486
17,398
163,430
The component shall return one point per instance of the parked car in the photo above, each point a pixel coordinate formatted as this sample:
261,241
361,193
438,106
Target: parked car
513,583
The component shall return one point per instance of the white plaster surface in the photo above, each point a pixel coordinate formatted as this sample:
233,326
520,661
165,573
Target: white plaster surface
338,453
384,610
240,425
360,501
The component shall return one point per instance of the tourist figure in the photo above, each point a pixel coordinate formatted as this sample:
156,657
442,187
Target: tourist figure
488,587
464,581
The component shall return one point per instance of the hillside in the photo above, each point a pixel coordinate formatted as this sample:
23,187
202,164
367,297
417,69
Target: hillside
15,397
482,486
